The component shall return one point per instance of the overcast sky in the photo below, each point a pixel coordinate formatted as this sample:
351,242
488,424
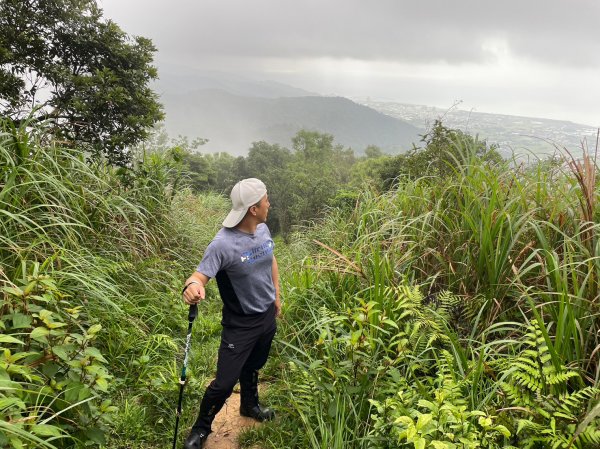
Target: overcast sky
520,57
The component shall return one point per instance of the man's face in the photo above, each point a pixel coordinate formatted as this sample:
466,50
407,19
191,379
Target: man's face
262,209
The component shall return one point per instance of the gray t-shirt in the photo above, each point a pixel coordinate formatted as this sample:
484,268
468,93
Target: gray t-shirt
242,265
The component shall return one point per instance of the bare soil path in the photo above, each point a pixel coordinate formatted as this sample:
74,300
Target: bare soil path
228,424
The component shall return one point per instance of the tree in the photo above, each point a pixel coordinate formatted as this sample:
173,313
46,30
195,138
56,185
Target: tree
313,176
60,60
266,159
313,146
371,171
373,152
269,163
181,153
445,149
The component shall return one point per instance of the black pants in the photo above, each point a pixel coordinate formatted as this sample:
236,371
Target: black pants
242,353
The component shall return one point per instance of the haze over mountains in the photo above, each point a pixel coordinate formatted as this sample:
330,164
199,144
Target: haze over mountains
233,111
513,134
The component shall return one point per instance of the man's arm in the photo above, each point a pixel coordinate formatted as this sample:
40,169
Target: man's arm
194,290
275,275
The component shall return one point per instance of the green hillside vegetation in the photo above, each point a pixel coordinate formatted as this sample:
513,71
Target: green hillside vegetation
317,173
451,312
441,298
90,266
455,309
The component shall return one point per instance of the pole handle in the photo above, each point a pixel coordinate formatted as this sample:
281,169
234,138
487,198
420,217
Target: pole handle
193,313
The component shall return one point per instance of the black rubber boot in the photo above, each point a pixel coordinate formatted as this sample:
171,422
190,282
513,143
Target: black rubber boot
249,404
209,407
195,440
257,412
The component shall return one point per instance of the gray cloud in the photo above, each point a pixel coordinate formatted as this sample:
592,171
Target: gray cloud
520,57
555,32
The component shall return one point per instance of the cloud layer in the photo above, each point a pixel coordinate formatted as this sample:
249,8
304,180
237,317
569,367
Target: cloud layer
554,31
519,57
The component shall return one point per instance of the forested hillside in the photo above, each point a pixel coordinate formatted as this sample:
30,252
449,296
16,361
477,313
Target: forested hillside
232,122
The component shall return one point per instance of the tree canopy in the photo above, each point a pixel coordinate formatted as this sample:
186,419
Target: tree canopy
316,173
444,150
60,60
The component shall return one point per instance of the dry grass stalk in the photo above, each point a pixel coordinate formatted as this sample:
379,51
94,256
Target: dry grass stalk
355,268
584,170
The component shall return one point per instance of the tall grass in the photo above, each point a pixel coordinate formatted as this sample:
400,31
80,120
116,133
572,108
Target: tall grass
101,250
517,248
461,310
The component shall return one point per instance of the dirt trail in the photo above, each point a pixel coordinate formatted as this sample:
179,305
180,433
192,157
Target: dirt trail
228,424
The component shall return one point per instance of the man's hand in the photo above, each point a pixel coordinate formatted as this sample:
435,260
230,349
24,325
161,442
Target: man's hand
194,292
275,274
277,308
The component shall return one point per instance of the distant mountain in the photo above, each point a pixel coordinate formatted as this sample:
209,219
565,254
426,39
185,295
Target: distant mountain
519,135
232,122
233,111
175,79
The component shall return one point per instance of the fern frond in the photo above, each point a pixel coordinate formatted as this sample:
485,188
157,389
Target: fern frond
554,378
591,435
577,399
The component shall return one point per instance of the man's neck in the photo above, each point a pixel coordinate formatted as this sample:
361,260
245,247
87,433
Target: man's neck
247,225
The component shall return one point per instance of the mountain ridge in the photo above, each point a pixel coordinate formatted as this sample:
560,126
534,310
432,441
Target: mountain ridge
232,122
233,111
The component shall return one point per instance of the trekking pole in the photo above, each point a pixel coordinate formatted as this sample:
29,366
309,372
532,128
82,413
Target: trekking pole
191,317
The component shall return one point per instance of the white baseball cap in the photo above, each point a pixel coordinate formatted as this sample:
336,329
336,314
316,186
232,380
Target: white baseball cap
244,194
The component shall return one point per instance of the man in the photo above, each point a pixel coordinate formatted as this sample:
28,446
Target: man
241,259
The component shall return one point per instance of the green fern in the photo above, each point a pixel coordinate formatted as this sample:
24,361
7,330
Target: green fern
554,407
590,437
438,419
422,320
